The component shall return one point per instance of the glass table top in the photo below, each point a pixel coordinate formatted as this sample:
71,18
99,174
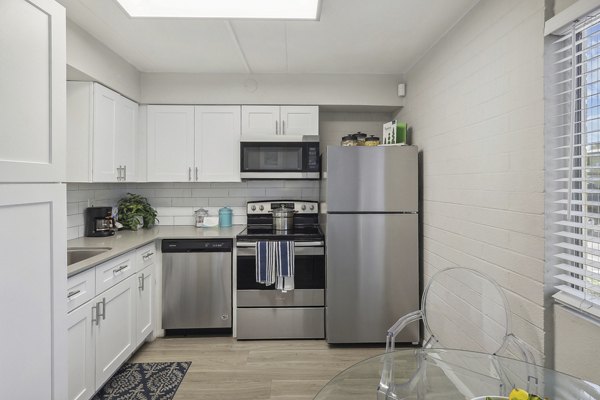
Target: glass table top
451,374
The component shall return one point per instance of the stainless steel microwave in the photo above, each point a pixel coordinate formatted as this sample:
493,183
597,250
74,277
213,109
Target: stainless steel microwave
279,160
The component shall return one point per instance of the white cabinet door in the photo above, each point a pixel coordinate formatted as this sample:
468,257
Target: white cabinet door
80,334
80,125
126,128
300,120
33,348
105,134
217,144
144,301
170,143
260,121
32,94
115,332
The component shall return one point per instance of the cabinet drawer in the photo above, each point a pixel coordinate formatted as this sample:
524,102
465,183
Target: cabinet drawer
81,288
145,256
114,271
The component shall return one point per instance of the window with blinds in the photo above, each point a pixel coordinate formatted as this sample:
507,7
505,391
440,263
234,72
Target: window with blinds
574,123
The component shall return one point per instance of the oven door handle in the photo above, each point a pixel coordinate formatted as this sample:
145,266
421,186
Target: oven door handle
296,244
298,251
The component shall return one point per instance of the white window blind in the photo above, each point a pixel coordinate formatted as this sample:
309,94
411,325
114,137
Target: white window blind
574,126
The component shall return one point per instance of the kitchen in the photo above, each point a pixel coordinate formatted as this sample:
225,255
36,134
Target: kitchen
490,222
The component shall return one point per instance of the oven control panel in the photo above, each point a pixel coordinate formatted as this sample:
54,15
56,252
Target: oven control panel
265,207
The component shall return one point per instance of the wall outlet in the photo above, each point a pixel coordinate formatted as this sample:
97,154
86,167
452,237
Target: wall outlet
402,90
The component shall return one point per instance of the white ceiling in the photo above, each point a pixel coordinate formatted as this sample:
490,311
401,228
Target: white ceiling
352,36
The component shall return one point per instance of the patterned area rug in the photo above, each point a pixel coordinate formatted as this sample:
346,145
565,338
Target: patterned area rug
144,381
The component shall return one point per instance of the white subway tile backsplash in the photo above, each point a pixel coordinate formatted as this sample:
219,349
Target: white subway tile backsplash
72,232
165,221
196,202
176,202
72,208
239,219
284,193
172,193
266,184
163,201
74,220
209,193
228,184
227,201
189,220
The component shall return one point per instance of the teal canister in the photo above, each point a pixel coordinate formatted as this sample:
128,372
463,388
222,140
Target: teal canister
225,216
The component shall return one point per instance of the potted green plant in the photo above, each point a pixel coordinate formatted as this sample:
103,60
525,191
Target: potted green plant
136,212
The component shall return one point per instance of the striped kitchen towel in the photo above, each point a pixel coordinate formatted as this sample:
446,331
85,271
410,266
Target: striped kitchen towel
265,262
284,279
275,264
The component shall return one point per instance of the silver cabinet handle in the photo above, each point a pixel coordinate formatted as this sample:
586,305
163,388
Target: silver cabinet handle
141,279
103,314
196,173
283,127
190,174
147,255
277,127
124,172
119,173
73,293
121,268
95,314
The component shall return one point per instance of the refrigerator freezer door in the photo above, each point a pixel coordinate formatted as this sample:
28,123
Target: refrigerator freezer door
372,179
372,276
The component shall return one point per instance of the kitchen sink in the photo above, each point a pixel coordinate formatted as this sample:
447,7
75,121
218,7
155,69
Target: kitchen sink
76,254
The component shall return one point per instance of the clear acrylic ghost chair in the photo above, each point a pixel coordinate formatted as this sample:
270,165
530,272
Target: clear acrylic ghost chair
461,309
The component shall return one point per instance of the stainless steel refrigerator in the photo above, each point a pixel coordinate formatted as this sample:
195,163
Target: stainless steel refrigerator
369,212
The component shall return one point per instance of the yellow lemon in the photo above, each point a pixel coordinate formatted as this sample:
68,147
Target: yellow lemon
518,394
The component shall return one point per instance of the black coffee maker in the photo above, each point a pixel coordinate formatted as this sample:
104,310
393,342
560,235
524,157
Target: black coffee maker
99,221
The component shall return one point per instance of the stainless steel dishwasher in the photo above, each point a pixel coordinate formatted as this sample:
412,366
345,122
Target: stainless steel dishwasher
196,284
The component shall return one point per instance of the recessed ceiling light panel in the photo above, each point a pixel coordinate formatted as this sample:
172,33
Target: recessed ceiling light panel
228,9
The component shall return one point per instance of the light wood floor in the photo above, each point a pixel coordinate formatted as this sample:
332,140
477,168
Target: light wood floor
223,368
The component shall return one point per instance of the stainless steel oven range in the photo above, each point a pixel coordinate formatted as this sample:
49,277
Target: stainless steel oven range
264,312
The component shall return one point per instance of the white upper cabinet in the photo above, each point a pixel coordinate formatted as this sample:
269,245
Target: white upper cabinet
193,144
101,134
300,120
126,128
104,165
275,122
32,94
260,120
217,144
170,143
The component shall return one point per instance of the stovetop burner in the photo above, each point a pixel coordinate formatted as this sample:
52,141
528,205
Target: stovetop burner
260,221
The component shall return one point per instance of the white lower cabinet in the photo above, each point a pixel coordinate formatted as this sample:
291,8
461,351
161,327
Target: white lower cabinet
80,333
115,335
144,309
106,330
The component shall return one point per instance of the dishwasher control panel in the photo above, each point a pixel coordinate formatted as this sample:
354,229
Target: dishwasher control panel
196,245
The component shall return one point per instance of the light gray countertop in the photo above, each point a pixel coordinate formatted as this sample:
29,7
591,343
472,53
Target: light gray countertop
124,241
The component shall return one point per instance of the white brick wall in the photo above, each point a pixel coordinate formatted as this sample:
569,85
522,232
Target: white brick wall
475,104
176,202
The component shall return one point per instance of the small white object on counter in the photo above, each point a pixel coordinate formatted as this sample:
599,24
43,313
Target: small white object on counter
209,222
